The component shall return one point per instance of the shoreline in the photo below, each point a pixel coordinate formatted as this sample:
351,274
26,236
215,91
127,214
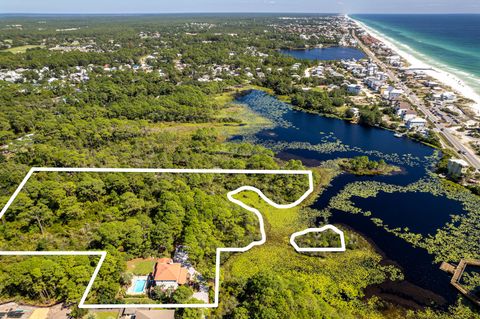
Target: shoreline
403,292
446,78
340,118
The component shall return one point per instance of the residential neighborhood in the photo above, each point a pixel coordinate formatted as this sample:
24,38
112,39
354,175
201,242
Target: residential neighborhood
166,275
155,166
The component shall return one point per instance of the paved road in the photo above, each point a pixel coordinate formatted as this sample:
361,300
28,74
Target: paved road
435,120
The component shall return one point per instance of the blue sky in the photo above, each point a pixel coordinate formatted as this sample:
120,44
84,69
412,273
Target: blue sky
166,6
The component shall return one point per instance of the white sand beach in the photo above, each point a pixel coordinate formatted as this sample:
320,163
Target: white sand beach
448,79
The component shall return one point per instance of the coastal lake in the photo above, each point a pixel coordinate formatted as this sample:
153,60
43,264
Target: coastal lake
326,54
403,210
314,139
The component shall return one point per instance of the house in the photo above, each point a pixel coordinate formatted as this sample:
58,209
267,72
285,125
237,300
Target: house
372,69
394,60
457,167
436,96
401,108
419,74
430,84
354,89
374,84
204,78
155,314
382,76
416,123
169,274
355,112
392,93
317,71
408,115
448,96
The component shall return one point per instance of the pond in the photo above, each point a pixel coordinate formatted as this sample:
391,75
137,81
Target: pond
313,138
408,210
326,54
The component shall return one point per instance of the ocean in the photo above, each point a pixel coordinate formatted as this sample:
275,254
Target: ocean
450,43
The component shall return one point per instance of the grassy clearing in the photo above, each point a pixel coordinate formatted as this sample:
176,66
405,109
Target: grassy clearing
138,300
256,87
284,98
140,266
224,98
23,48
279,225
243,120
333,282
105,314
228,97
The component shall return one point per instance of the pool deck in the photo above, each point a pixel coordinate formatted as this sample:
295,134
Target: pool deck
131,288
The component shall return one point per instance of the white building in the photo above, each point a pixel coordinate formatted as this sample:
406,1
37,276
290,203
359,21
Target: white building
392,93
382,76
416,123
401,109
430,84
374,84
372,69
408,115
457,167
394,60
354,89
448,96
296,66
355,111
317,71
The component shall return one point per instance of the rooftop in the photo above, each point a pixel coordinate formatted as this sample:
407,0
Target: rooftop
459,161
167,270
155,314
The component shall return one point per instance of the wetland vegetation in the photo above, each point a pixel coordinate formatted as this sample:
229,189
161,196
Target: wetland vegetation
130,113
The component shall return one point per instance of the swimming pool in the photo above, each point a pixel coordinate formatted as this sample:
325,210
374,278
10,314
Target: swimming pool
139,285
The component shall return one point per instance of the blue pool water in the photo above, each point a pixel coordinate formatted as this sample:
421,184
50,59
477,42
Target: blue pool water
139,285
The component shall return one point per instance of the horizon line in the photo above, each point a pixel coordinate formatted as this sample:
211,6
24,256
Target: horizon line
234,12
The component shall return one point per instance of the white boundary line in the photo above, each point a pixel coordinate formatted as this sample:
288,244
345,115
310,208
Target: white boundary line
103,254
318,249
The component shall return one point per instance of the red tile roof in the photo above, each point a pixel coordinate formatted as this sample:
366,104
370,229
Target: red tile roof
167,270
165,260
155,314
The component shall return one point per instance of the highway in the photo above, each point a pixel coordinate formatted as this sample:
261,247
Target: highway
435,121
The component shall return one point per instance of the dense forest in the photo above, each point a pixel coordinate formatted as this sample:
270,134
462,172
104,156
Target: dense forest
131,215
130,119
157,95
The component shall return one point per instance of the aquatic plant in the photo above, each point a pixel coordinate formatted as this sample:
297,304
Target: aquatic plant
330,145
459,238
267,106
